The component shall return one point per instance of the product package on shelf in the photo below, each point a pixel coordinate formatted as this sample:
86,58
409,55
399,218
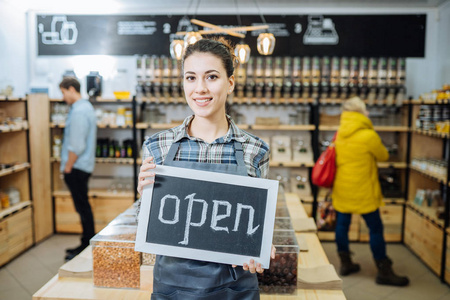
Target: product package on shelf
115,263
281,148
302,151
281,277
300,183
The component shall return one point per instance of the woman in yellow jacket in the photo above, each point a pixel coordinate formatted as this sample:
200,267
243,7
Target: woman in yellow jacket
357,190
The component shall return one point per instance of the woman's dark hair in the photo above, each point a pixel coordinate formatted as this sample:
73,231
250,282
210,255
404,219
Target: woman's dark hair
219,47
68,82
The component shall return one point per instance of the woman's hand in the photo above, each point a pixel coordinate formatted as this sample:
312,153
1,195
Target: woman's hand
257,268
144,173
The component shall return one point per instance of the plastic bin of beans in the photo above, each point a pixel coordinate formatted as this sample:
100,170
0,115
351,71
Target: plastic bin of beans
282,212
283,224
148,259
124,219
281,277
115,263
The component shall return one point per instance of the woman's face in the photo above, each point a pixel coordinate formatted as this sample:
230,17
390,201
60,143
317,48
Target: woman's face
206,85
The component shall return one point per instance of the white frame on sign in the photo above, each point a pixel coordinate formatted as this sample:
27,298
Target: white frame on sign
205,255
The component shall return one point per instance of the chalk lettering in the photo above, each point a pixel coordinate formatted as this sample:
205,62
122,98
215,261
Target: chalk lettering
216,217
191,199
251,212
176,215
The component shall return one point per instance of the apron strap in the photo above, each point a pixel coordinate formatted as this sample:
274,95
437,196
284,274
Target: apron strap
239,154
172,151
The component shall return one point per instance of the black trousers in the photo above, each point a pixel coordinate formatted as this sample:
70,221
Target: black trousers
77,181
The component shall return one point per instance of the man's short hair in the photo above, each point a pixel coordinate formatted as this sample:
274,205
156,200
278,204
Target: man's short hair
68,82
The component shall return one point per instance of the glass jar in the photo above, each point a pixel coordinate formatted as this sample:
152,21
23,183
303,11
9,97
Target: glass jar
121,85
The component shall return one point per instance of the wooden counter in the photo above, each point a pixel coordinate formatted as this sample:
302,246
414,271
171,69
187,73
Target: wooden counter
83,288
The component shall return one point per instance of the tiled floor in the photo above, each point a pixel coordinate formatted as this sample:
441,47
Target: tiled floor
22,277
424,285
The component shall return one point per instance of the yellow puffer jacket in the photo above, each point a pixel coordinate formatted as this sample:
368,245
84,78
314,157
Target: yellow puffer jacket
356,186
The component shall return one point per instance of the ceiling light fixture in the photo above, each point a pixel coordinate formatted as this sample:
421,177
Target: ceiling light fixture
266,41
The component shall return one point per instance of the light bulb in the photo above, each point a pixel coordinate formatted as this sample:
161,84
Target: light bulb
242,51
177,49
191,38
266,43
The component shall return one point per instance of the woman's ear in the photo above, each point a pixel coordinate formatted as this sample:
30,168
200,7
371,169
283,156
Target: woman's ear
231,84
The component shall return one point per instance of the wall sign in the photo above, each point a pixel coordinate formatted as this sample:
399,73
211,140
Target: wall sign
297,35
208,216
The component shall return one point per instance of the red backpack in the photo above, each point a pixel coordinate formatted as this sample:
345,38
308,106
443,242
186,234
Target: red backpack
324,169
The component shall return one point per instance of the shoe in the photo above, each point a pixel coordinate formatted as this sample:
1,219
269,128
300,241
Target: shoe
76,249
347,266
73,253
387,276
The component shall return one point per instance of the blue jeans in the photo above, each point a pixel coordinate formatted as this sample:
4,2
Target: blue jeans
373,221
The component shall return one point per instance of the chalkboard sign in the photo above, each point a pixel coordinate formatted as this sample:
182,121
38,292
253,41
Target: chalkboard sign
296,35
207,216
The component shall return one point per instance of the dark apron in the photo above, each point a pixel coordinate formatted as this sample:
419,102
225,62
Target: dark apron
187,279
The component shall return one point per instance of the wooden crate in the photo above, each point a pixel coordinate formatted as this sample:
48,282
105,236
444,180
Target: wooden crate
353,233
66,217
104,210
391,216
16,234
424,238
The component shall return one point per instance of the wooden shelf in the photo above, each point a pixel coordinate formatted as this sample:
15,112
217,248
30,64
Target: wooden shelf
16,128
376,128
375,102
104,160
96,193
101,126
429,175
236,100
290,164
7,211
430,102
7,99
241,126
101,100
282,127
395,165
15,169
428,213
432,133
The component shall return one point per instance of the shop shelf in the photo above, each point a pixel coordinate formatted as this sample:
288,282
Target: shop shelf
282,127
5,99
15,168
376,128
421,101
14,208
15,128
433,176
104,160
291,164
96,193
395,165
428,213
432,133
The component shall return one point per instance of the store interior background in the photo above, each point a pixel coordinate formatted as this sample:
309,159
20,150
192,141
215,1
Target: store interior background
23,69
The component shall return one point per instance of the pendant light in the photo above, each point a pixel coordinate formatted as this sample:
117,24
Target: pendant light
242,52
191,38
265,43
177,49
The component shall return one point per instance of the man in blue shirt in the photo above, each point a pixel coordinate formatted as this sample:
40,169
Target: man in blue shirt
78,156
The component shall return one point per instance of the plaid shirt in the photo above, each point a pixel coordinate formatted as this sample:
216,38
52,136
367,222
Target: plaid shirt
220,151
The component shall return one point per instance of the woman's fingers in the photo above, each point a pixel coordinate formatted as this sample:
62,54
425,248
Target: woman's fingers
252,267
274,251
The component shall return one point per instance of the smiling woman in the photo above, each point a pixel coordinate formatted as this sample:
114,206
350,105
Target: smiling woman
210,141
